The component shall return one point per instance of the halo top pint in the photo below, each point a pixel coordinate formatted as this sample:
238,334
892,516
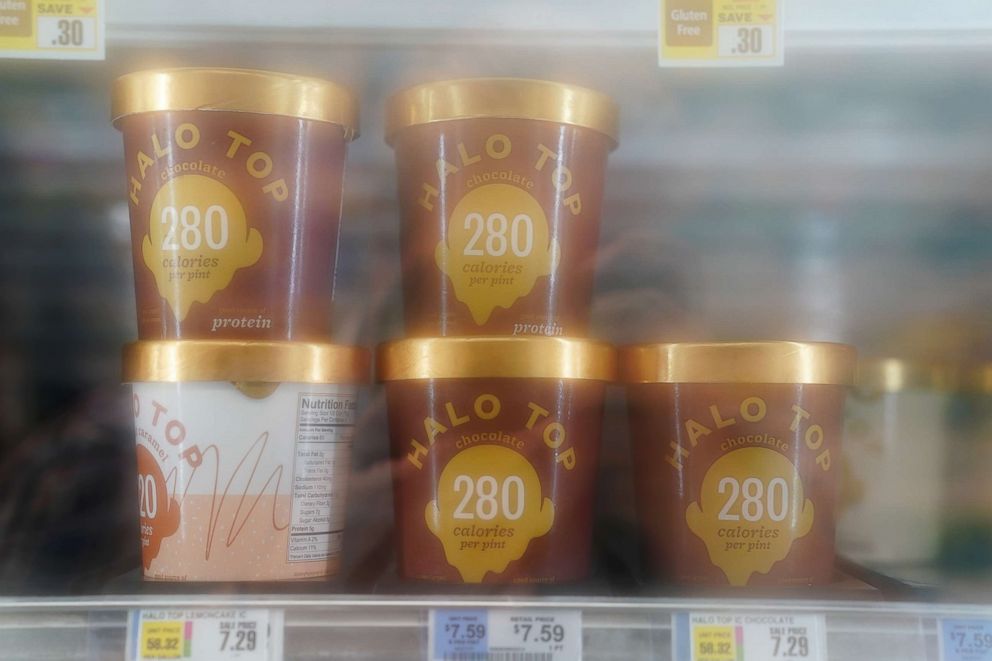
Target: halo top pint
495,445
500,184
243,453
234,182
736,458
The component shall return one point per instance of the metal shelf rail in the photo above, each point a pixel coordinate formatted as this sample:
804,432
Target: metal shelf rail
390,628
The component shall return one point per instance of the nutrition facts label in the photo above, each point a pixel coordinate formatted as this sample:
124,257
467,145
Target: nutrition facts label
324,429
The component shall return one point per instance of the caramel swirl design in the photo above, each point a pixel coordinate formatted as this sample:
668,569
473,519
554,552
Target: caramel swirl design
249,496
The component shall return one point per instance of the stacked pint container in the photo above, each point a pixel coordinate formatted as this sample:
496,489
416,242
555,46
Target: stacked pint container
495,395
243,407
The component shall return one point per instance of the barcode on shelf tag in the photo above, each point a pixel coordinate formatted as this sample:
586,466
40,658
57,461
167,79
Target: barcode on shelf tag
504,634
246,634
965,640
748,637
62,30
720,33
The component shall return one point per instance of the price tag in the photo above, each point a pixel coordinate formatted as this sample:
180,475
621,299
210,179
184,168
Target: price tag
505,634
457,634
60,30
757,637
535,634
253,634
720,33
966,640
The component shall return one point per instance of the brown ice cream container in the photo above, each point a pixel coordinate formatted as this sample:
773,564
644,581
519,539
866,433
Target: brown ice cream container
234,182
500,187
495,445
736,454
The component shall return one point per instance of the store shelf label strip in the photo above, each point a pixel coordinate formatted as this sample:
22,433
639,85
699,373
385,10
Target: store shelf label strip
245,634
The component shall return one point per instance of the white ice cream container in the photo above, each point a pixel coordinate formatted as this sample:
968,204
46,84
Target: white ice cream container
243,452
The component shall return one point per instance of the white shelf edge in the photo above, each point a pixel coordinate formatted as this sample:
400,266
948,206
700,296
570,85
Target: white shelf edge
801,41
356,602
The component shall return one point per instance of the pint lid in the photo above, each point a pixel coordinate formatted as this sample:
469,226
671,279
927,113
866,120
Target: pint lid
508,98
979,379
235,90
495,357
896,374
270,362
739,362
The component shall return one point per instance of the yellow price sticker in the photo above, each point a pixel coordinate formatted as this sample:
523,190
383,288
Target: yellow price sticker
161,640
714,643
720,33
60,30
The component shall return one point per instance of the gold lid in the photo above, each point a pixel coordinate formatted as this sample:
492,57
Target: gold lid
510,98
235,90
895,374
979,379
222,360
511,357
739,362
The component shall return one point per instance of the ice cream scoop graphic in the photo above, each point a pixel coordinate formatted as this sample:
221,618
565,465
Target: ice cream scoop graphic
159,513
496,245
488,509
198,237
751,510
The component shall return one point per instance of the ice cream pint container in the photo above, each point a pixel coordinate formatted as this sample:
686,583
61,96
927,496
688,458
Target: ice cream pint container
243,453
737,457
495,445
234,182
500,187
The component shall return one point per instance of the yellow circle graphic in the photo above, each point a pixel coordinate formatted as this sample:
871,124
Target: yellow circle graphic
497,243
752,508
488,509
198,237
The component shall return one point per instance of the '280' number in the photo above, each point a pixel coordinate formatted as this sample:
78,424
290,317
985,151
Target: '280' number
188,227
495,227
757,500
486,489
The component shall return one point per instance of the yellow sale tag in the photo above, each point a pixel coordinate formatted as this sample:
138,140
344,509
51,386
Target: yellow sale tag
61,30
720,33
161,640
714,643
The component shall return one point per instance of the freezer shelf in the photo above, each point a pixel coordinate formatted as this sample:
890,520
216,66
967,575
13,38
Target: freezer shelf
877,24
393,628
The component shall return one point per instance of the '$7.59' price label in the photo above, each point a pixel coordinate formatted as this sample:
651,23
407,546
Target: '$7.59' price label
965,640
529,631
554,634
